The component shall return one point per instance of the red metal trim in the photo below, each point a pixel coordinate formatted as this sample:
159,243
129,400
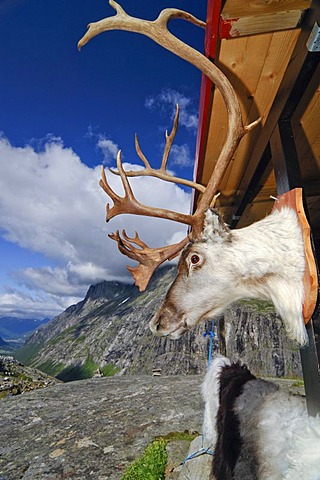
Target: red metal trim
206,91
225,27
212,27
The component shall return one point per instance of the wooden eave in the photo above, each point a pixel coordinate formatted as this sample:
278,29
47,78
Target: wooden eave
263,58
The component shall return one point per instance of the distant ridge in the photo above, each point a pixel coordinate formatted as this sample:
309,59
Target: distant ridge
13,327
108,333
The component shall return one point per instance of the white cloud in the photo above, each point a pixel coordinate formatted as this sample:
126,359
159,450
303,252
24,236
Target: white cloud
38,306
167,100
51,203
180,155
108,148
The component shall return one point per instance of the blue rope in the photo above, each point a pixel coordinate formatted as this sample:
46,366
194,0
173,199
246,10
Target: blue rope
211,337
203,451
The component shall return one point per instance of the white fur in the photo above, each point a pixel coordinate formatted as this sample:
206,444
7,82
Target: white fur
289,440
273,422
210,395
264,260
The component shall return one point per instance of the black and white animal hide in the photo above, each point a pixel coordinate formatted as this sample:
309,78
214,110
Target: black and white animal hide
257,431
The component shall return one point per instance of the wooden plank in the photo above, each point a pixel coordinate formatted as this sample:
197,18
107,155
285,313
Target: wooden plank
256,83
255,211
240,27
276,62
242,8
238,54
306,123
253,17
297,58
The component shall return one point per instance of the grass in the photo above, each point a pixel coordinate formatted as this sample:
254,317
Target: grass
151,465
51,368
26,354
109,370
261,306
78,372
186,435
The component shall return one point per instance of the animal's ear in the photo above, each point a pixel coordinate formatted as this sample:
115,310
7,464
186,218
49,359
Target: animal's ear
214,227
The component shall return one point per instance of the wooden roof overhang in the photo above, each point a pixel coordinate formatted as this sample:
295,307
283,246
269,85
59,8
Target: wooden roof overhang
261,47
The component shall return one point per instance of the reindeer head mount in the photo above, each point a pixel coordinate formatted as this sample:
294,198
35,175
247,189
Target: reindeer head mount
150,258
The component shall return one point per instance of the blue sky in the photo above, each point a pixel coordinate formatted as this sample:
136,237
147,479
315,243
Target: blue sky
63,114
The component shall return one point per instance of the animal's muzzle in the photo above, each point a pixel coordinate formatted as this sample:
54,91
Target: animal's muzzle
163,328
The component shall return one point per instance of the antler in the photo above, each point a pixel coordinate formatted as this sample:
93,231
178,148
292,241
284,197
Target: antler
161,172
149,258
157,30
129,204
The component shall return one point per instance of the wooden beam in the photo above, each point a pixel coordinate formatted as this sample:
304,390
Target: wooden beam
256,83
253,17
257,182
295,64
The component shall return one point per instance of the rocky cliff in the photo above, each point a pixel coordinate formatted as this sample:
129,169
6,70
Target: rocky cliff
254,334
107,333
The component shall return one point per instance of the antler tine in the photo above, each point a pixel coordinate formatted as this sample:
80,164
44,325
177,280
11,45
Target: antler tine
129,204
161,172
149,258
140,155
170,138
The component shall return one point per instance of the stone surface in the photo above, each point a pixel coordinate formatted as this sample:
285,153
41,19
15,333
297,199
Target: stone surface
177,453
93,428
199,467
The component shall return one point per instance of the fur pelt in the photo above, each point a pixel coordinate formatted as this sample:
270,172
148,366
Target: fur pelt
257,431
264,261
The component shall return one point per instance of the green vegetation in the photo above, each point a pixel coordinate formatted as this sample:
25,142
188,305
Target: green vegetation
186,435
80,339
60,370
61,336
78,372
109,370
27,353
51,368
151,465
298,384
261,306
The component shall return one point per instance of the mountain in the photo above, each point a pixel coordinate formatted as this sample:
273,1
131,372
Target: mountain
2,342
13,327
107,333
7,347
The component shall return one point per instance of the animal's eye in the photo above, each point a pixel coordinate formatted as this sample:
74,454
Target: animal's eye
195,259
